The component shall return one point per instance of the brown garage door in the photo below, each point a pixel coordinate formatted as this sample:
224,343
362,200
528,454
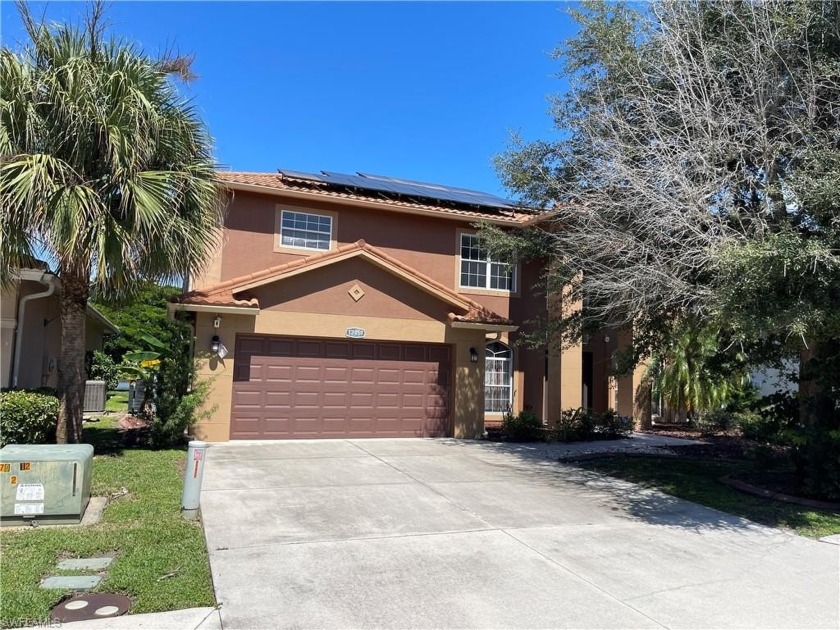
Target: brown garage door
287,387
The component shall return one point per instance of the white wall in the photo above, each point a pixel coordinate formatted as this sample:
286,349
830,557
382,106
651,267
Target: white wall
770,380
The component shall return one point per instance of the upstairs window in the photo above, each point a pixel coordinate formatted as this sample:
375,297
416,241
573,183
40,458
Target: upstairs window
479,271
303,230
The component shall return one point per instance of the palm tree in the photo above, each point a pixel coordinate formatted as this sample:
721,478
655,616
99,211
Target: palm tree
692,375
104,169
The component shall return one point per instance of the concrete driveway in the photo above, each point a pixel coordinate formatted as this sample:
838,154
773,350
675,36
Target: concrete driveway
456,534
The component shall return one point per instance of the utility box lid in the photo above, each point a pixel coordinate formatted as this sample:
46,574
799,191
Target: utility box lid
46,452
47,483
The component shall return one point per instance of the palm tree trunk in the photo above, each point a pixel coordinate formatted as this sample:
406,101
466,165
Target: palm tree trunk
641,407
71,371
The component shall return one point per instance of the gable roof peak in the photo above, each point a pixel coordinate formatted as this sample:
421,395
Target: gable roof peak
224,293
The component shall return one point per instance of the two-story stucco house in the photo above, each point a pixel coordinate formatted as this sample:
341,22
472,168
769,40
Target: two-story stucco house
362,306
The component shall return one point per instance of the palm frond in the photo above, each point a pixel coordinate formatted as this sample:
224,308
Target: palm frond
103,162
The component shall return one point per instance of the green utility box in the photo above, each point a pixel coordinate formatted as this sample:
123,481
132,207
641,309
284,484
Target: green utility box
47,483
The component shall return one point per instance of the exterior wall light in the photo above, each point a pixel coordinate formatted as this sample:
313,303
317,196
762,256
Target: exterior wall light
473,355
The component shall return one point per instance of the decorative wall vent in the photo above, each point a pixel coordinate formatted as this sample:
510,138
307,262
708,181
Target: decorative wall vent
356,292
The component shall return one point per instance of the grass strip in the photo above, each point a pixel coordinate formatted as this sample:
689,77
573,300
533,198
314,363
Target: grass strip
160,561
117,401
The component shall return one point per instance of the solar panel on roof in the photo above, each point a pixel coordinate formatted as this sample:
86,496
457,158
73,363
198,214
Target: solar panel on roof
393,185
358,181
440,191
341,178
301,175
412,182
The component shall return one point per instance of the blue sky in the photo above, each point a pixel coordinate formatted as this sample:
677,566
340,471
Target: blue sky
427,91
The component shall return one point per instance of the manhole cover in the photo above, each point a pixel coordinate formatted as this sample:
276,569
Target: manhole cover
92,606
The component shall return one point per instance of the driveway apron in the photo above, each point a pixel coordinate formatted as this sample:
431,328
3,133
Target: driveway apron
423,533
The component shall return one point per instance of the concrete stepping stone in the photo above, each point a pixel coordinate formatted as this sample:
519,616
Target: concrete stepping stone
85,564
72,582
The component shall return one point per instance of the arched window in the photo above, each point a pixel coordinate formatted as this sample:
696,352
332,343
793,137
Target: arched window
498,368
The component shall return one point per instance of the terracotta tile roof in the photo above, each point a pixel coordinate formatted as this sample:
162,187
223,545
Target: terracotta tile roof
224,293
481,315
280,183
203,298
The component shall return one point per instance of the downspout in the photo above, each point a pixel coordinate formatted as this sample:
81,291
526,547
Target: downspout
50,283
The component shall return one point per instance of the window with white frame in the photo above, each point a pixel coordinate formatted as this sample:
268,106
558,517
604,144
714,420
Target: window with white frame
498,369
305,231
480,272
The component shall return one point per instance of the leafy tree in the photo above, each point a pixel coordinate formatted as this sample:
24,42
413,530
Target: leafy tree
169,371
144,364
144,313
697,176
105,168
178,396
101,367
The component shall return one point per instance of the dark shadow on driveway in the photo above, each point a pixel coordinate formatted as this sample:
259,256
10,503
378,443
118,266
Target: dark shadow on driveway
540,463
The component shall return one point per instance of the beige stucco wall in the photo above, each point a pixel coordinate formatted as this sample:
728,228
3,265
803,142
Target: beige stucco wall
41,337
468,409
219,371
571,377
212,272
468,401
632,390
7,339
39,342
327,290
8,302
8,320
37,339
94,333
41,346
564,380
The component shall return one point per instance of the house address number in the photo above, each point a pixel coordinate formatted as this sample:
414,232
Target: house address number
355,333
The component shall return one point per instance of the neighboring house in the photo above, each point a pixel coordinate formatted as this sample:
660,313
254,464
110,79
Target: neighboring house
362,306
769,380
30,325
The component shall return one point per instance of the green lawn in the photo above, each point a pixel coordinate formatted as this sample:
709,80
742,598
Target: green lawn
161,559
698,481
117,401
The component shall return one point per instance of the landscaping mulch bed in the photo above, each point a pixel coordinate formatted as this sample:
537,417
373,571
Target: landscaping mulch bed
720,446
127,423
770,456
133,431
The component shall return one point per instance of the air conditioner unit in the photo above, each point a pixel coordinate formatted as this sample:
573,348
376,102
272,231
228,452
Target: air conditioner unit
136,393
46,483
95,393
